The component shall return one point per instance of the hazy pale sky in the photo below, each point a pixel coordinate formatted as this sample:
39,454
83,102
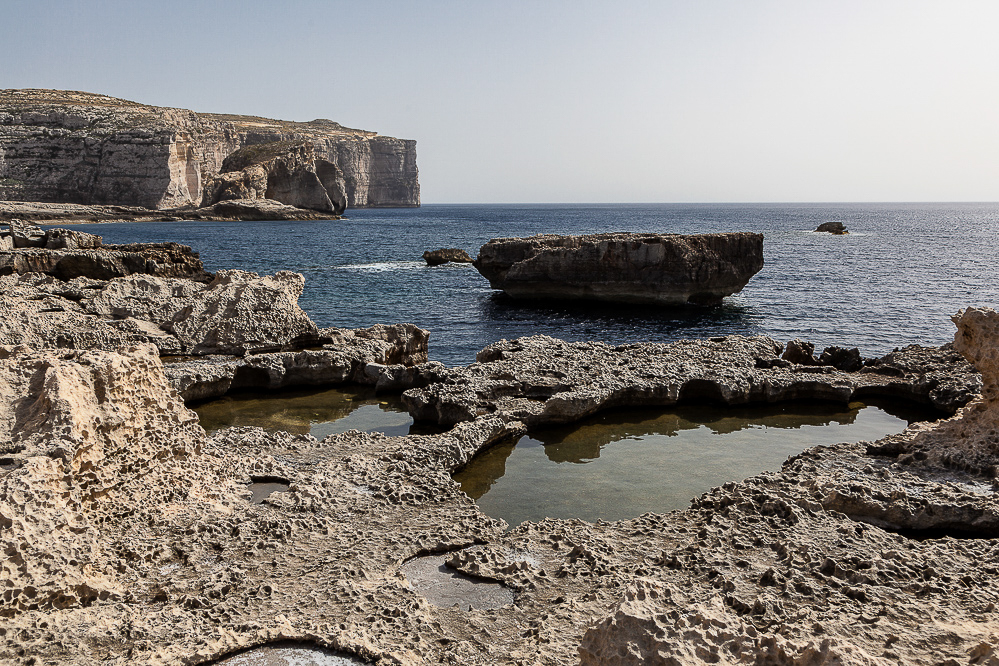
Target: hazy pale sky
573,101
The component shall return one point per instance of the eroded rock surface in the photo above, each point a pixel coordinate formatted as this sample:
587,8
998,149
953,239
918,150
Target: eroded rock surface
174,563
541,380
248,330
285,171
69,254
75,147
445,255
661,269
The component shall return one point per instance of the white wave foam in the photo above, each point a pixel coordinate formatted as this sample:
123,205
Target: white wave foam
382,266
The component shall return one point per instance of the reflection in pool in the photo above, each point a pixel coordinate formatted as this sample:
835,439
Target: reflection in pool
623,464
319,413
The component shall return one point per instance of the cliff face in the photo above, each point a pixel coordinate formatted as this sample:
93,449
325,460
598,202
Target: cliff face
74,147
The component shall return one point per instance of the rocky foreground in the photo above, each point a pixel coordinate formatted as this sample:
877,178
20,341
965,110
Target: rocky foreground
129,535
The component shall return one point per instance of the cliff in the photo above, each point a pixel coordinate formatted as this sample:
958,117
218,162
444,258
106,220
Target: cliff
76,147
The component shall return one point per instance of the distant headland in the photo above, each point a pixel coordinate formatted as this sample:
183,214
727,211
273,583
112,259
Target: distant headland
67,147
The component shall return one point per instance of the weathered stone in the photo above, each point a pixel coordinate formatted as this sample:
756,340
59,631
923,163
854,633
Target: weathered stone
178,564
540,380
248,209
800,352
104,262
67,239
385,357
837,228
23,234
225,317
661,269
284,171
74,147
80,426
847,360
446,254
155,299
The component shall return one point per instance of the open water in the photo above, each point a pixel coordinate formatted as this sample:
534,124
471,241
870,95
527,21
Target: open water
894,280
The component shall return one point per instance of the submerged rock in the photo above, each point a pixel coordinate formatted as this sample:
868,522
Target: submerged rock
659,269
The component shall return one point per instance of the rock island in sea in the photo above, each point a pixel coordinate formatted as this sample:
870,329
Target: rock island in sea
131,536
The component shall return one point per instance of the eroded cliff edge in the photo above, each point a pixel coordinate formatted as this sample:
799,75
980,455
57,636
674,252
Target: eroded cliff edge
84,148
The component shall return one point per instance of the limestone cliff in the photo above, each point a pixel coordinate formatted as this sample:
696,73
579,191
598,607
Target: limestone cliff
76,147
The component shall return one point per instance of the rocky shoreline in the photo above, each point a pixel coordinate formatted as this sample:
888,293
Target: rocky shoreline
224,211
129,534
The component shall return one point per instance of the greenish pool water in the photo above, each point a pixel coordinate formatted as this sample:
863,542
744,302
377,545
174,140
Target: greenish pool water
319,413
620,465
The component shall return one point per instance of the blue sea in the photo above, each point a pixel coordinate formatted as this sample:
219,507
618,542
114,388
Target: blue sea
894,280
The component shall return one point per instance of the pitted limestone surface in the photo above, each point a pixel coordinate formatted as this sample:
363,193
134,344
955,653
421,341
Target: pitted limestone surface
540,380
169,562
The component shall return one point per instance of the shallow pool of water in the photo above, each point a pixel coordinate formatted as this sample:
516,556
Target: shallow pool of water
315,412
290,654
620,465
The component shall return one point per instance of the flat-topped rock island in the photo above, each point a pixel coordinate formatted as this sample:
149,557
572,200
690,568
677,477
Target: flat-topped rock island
655,269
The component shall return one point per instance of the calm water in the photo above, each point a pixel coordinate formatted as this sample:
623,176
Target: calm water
309,412
895,280
620,465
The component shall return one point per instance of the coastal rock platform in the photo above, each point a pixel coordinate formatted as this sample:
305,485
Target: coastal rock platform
153,552
659,269
540,380
131,536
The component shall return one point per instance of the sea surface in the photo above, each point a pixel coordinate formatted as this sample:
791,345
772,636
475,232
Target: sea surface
895,280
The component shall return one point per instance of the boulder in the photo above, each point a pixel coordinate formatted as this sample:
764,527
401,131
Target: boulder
446,254
67,239
24,234
800,352
837,228
657,269
226,318
841,358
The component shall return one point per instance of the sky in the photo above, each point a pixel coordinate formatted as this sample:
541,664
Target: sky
531,101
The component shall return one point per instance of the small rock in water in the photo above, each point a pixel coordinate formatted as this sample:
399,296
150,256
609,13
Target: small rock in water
837,228
446,254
